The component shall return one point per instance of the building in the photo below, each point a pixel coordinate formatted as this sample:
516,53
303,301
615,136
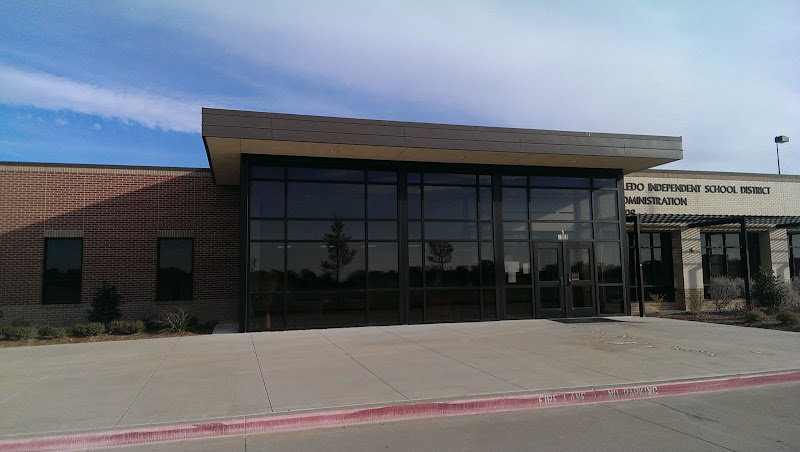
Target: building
307,221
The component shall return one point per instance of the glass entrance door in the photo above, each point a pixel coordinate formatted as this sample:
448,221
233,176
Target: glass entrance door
564,284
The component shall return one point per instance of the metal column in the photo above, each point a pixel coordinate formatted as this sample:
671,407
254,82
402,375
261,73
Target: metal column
746,255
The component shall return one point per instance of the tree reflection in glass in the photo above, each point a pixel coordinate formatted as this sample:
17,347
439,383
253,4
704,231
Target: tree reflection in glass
440,253
339,252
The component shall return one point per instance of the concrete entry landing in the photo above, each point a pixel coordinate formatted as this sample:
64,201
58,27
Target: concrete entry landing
93,386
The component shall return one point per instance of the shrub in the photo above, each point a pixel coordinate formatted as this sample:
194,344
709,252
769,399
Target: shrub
767,292
95,328
792,295
9,332
79,330
787,318
49,331
17,333
722,290
657,301
120,327
105,304
695,302
151,325
177,321
754,316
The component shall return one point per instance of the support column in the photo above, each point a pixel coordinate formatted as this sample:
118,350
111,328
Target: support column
746,257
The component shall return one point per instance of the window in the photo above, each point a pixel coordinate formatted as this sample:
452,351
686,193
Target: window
656,255
174,269
451,248
794,254
323,248
62,271
722,255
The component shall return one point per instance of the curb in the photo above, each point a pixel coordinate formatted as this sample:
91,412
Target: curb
390,413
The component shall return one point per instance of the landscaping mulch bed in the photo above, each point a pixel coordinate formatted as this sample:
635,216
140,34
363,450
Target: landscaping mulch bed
99,338
727,318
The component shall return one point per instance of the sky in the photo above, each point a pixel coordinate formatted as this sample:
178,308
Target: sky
123,82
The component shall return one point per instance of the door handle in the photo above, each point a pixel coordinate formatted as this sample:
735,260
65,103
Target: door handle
561,281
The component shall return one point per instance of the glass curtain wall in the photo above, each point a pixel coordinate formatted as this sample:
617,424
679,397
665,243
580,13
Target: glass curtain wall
450,248
328,247
559,209
323,248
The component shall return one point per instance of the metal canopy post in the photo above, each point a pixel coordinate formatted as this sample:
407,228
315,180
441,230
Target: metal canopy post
746,253
638,262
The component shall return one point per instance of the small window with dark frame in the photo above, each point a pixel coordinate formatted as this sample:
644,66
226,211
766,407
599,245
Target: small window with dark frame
656,263
794,254
62,270
174,269
723,255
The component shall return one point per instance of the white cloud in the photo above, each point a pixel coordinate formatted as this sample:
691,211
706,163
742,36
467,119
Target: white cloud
49,92
61,121
97,126
727,86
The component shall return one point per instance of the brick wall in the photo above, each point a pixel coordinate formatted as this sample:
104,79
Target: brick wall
120,212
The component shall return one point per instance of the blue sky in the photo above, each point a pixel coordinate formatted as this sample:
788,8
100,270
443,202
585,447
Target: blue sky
123,82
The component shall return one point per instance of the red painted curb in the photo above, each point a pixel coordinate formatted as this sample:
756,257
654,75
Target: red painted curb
356,416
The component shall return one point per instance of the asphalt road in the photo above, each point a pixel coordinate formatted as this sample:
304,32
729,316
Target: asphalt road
755,419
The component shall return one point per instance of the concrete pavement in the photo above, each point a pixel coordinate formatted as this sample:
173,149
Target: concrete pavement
113,385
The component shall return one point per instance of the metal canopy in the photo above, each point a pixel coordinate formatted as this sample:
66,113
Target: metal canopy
228,134
698,221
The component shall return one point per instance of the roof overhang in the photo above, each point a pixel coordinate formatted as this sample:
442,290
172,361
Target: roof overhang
228,134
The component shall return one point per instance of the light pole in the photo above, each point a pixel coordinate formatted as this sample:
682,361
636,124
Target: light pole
778,140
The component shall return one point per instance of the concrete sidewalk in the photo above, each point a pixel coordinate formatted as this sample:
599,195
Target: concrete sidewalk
94,386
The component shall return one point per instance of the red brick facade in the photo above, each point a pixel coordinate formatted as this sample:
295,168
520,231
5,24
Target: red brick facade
120,212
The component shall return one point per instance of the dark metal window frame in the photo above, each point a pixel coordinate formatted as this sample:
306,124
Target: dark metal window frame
45,282
666,251
159,297
249,161
476,185
402,169
745,248
794,244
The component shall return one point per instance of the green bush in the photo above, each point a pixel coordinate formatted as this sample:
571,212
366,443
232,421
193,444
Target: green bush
9,332
95,328
18,333
768,293
120,327
754,316
105,304
49,331
788,318
79,330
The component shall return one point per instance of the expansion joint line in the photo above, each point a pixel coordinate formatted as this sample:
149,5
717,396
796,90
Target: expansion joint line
365,367
147,382
455,360
263,380
607,405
